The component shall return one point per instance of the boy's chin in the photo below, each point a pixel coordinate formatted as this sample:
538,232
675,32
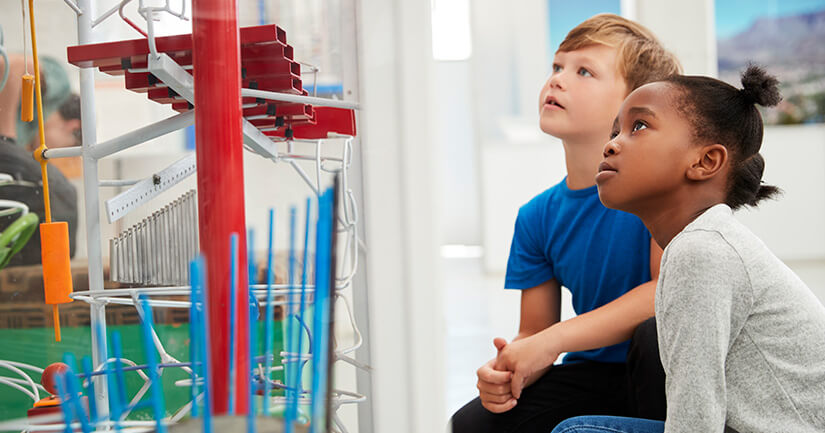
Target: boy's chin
550,127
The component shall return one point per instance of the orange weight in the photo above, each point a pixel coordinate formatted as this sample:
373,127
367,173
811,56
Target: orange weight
27,104
57,271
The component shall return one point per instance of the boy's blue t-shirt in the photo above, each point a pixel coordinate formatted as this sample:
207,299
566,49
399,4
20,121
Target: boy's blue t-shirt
599,254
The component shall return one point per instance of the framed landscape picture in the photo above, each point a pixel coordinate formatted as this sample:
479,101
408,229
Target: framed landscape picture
787,37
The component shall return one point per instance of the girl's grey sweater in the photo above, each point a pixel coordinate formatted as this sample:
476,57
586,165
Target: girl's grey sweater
741,337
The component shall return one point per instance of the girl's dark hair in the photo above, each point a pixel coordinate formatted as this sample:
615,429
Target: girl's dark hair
721,113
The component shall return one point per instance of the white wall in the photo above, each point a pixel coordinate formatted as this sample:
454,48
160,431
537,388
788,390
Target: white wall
454,140
515,165
685,28
401,215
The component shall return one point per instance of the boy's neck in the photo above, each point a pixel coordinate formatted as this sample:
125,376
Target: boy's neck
582,159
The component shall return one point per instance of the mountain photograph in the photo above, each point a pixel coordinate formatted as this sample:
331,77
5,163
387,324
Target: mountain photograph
791,46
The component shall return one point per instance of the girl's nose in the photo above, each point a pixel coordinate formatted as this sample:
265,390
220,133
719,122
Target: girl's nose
611,148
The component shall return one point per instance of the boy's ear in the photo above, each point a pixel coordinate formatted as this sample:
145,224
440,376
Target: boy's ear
710,160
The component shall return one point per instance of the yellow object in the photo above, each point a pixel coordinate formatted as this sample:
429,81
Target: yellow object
54,237
27,104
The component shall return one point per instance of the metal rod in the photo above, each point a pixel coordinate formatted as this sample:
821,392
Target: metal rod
109,13
118,182
143,134
289,97
88,118
74,7
63,152
164,253
112,259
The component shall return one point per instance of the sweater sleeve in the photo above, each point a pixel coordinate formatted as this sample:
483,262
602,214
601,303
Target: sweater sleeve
701,304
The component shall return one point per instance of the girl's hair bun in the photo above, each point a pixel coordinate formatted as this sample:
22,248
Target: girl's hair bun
759,87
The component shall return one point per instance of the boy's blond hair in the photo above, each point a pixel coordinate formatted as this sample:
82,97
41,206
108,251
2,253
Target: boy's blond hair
641,57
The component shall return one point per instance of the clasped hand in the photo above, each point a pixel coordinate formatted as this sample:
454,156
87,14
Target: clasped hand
516,365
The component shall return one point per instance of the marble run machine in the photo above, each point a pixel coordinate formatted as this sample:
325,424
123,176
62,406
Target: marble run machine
249,91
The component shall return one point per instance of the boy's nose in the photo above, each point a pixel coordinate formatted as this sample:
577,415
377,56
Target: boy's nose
556,81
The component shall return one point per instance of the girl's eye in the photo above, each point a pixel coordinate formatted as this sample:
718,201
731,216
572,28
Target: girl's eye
585,73
638,126
556,68
614,134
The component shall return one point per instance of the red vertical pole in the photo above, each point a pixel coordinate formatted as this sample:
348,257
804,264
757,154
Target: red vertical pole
218,133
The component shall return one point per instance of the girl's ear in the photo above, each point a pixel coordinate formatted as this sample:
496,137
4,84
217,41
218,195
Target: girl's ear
711,159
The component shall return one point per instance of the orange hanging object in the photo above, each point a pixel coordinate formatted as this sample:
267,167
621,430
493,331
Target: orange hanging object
54,237
57,270
27,104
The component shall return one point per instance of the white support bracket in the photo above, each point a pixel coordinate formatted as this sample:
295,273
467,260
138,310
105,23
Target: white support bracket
117,207
173,75
258,142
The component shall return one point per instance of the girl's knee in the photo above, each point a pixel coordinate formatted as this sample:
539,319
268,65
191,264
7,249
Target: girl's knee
569,425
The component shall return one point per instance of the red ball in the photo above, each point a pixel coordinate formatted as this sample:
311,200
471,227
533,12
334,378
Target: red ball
47,379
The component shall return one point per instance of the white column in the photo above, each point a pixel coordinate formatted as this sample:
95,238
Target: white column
91,193
406,324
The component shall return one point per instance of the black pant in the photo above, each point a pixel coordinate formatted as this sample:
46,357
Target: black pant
585,388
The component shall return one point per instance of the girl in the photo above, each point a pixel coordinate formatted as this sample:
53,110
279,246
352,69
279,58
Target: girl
742,339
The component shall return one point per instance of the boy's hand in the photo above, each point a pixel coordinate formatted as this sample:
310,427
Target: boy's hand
528,359
494,385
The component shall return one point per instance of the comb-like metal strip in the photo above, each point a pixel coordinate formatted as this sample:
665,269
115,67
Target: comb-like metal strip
156,251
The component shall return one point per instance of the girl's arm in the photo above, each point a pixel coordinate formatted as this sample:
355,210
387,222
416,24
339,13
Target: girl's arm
613,322
702,306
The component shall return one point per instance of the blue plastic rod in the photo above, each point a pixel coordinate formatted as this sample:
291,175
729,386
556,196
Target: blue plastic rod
112,385
156,387
74,389
90,389
65,400
299,367
194,325
233,318
268,326
199,286
252,343
289,339
321,319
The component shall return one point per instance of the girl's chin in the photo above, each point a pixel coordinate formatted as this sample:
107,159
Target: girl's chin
608,200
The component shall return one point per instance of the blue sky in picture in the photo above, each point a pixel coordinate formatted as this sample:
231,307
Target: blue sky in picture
564,15
733,16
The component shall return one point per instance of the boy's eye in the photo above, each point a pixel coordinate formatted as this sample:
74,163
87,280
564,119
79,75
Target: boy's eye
638,126
585,73
556,68
614,134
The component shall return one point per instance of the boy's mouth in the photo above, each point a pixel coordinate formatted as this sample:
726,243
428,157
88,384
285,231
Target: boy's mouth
552,101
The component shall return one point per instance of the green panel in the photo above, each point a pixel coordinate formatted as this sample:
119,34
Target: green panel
37,347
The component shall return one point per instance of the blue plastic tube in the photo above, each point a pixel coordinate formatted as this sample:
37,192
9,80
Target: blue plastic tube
156,387
233,319
268,325
321,316
289,338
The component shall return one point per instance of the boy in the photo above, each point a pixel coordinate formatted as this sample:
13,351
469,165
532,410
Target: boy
565,236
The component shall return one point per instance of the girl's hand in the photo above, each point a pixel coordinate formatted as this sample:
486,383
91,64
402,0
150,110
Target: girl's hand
528,359
494,386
